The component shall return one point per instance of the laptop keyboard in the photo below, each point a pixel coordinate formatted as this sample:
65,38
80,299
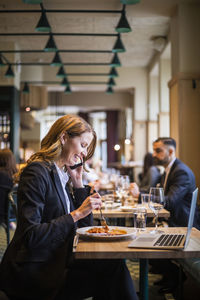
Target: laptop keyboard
169,240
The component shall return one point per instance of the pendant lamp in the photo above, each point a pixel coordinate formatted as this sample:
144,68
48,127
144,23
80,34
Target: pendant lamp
26,88
50,45
127,2
119,46
113,73
65,82
56,62
61,73
111,82
9,73
123,25
115,61
43,24
32,1
109,90
68,90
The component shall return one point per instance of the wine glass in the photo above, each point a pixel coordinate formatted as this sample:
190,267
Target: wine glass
156,203
122,187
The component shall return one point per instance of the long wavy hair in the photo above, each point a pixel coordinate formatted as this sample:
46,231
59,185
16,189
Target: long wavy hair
7,162
51,146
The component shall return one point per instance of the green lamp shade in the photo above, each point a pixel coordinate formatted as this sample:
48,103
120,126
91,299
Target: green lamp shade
123,25
113,73
111,82
129,1
32,1
43,24
118,47
56,62
68,90
109,90
9,73
26,88
65,82
61,73
115,61
50,45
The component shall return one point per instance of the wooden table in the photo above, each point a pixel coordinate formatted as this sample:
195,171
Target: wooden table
91,249
117,213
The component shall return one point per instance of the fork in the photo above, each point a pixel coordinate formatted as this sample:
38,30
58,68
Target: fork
103,220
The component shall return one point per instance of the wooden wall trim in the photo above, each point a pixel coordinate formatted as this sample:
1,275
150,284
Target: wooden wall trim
183,76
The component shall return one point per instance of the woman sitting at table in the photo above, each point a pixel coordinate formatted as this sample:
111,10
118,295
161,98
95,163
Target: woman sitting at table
38,263
151,174
8,169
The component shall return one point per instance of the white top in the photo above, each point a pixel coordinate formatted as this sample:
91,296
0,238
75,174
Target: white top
167,170
64,177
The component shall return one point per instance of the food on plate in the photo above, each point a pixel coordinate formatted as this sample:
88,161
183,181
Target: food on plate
107,231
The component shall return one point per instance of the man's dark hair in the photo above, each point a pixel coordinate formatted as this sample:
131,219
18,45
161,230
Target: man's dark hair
166,141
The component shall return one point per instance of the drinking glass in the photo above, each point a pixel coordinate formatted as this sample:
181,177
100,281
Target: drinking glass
140,218
156,203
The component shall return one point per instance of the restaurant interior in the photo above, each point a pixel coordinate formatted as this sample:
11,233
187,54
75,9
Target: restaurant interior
131,68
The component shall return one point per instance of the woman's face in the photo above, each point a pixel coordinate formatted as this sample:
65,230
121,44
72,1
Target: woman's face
74,149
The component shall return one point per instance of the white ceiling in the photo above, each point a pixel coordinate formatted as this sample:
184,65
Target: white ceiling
148,19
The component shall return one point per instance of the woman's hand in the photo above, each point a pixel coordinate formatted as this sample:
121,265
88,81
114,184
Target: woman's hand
89,204
76,176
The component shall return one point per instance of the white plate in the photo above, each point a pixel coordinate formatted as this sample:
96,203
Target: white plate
102,236
127,208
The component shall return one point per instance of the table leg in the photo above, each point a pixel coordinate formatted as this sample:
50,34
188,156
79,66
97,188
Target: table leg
144,294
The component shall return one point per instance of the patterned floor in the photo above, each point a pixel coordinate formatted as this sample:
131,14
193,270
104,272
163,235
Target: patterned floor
191,288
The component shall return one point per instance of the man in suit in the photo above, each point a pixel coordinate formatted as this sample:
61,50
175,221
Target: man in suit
178,182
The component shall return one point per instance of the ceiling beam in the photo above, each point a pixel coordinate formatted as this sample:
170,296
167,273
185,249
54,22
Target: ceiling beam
61,51
58,34
61,11
59,82
65,64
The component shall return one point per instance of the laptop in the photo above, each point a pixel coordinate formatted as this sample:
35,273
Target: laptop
167,241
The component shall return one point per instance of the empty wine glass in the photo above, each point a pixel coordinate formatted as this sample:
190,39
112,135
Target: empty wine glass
122,187
156,203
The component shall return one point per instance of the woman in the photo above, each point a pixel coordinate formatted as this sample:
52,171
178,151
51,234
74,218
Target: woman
7,170
150,175
38,263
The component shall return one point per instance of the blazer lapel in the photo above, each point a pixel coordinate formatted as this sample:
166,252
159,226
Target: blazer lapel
59,188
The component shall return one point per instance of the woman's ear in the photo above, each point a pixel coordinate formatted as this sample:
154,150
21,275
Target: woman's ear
63,138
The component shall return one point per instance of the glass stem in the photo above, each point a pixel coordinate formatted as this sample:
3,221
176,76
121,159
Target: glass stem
156,221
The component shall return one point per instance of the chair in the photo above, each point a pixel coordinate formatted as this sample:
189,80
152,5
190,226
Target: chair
10,209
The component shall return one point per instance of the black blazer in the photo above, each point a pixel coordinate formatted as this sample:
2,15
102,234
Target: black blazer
178,194
35,263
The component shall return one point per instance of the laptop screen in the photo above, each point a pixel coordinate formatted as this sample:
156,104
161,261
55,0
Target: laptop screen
191,217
